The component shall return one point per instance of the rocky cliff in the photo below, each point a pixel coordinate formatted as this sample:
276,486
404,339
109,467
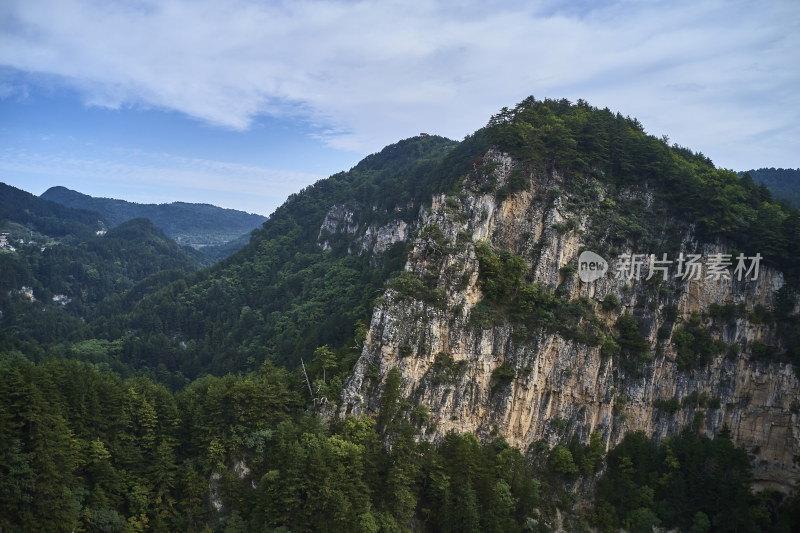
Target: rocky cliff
483,369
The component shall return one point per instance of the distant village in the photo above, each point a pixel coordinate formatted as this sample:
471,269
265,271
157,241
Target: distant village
4,244
7,243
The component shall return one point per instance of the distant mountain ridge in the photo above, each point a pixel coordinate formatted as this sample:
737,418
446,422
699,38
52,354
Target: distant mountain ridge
202,226
61,266
45,217
783,183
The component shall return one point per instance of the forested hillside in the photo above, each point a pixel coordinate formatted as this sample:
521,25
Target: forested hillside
783,183
61,266
215,231
283,295
82,448
46,218
167,399
579,139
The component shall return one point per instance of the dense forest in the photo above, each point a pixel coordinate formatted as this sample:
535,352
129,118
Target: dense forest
82,449
62,267
783,183
161,397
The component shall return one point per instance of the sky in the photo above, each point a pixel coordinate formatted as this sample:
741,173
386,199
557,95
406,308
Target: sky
243,102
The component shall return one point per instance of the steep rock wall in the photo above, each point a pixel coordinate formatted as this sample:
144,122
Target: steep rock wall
370,238
560,385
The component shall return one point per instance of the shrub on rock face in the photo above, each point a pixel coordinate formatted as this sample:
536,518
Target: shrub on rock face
502,375
630,341
610,302
561,461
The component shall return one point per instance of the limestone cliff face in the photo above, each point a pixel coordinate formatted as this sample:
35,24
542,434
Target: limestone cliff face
560,385
372,238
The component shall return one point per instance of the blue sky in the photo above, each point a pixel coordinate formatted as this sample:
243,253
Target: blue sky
241,103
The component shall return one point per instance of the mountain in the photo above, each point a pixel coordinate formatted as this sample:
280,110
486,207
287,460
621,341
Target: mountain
47,218
506,333
783,183
205,227
291,289
61,266
487,323
490,326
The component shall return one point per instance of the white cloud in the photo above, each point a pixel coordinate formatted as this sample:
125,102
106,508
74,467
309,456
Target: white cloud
716,76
